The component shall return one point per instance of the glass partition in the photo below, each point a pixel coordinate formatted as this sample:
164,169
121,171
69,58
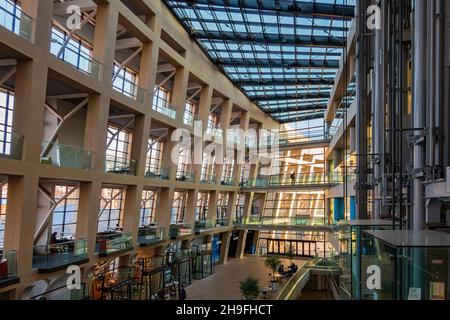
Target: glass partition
120,165
178,230
162,174
109,243
8,263
59,254
210,178
15,20
204,225
11,145
150,234
412,265
60,155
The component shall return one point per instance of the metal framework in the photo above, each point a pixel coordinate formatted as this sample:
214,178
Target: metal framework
273,50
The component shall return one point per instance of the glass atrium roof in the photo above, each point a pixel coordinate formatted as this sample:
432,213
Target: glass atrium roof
283,54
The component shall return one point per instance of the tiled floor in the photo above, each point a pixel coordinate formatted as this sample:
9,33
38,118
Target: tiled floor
224,283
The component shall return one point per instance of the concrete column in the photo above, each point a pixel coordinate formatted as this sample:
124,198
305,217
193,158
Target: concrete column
191,206
30,93
419,98
106,23
231,208
212,205
203,114
140,143
20,223
42,13
132,210
179,92
96,130
225,246
88,210
241,244
147,71
225,118
162,216
169,150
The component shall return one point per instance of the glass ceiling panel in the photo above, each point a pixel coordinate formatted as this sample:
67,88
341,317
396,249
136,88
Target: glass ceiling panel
283,54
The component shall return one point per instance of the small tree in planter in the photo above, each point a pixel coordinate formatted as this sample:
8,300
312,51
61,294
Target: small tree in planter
250,288
273,263
290,254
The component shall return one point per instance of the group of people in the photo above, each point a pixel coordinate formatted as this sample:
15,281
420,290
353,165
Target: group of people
288,272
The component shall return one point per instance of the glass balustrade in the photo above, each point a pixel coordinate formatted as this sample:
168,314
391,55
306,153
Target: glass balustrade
287,221
210,179
8,266
15,20
129,88
60,254
120,165
109,243
180,229
228,181
69,51
222,222
11,145
187,176
150,234
59,155
204,225
165,108
298,180
162,174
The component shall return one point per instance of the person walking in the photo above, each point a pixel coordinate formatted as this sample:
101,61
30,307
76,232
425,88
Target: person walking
293,174
182,293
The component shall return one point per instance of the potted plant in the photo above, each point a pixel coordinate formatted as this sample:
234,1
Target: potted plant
250,288
273,263
290,254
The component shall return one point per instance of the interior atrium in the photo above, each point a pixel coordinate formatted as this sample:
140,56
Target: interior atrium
224,150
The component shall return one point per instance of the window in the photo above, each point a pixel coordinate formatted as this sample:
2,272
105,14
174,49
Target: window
148,207
6,118
161,99
201,210
240,203
306,204
213,122
3,202
72,50
124,81
10,15
111,209
189,114
184,162
65,214
222,205
227,170
207,166
178,207
245,173
154,156
118,148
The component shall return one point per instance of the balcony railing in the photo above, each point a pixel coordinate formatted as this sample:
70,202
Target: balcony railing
204,225
209,178
297,180
162,174
286,221
186,176
228,181
60,155
8,269
48,258
120,166
129,89
150,234
180,229
110,243
165,108
222,222
11,145
15,20
82,60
